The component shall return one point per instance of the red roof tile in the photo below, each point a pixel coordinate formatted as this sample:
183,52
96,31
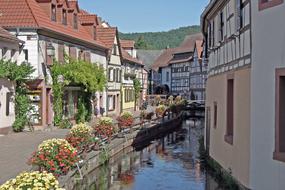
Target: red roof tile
106,35
29,14
6,35
127,44
86,19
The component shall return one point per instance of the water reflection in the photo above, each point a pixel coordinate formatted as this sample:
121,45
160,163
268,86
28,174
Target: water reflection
170,163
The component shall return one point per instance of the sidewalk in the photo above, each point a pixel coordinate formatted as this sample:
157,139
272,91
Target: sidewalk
16,149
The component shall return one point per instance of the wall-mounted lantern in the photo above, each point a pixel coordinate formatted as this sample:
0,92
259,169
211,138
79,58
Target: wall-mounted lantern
50,50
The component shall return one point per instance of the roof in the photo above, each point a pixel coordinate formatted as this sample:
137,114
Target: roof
187,45
4,34
86,19
189,42
126,56
29,14
181,57
106,35
127,44
163,59
148,56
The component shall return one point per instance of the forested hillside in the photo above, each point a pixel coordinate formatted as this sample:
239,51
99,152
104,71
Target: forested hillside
160,40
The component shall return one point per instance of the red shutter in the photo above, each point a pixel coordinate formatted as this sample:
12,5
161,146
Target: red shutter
49,59
87,57
61,53
72,52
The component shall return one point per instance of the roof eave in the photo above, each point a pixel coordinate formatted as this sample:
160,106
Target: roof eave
68,36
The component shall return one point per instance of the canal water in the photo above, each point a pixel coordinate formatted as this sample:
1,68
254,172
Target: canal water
169,163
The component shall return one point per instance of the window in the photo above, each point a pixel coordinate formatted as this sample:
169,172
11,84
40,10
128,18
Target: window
167,76
8,102
110,74
118,75
279,153
75,21
26,55
215,114
115,49
53,12
111,102
213,33
230,110
210,34
64,17
264,4
239,15
222,24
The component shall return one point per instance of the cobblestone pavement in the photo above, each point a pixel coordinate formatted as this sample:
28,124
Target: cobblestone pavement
16,149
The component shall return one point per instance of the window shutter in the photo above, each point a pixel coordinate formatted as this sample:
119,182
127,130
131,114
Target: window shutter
72,52
87,57
48,58
61,53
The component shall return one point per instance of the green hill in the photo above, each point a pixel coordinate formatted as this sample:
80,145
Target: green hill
160,40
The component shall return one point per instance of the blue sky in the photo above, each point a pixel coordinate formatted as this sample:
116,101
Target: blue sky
147,15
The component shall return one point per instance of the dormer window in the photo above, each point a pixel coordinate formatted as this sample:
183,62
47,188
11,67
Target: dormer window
53,12
75,21
64,17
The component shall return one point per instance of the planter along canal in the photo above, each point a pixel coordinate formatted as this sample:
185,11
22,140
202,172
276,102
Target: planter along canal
168,163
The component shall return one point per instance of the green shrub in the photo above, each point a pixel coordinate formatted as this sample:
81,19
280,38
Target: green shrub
65,124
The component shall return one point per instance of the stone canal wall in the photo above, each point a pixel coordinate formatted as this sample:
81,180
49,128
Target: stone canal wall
127,143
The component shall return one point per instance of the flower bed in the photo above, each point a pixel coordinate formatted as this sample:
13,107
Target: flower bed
104,128
32,180
160,110
126,119
56,156
80,136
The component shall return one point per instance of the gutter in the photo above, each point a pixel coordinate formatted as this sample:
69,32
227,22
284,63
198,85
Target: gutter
102,47
205,13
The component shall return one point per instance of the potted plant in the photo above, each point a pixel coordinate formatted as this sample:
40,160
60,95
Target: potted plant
126,120
56,156
80,136
32,180
104,128
160,110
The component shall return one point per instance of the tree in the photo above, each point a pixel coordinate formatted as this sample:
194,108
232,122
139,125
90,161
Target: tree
141,43
137,88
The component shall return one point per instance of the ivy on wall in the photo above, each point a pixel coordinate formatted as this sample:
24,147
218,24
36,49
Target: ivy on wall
19,74
90,77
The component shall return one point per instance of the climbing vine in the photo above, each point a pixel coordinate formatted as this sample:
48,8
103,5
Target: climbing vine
90,77
137,88
19,74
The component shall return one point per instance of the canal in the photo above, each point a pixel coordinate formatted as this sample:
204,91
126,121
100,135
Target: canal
169,163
